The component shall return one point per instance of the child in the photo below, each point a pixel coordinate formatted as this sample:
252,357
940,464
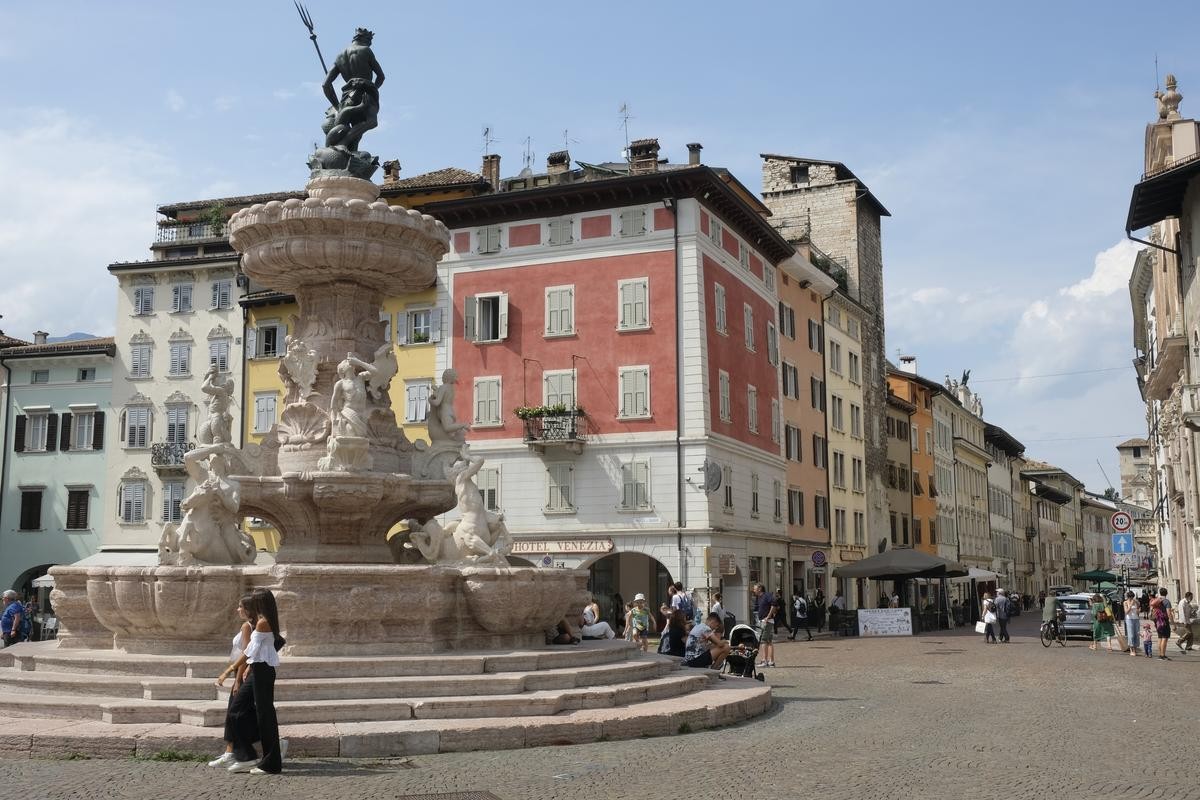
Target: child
639,619
1147,638
628,632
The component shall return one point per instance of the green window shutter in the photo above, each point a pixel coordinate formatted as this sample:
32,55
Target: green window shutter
98,430
470,315
65,437
19,434
51,432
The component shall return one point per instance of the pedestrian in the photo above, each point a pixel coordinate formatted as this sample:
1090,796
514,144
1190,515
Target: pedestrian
989,618
800,616
716,607
705,648
1185,615
592,626
14,622
884,602
1003,612
628,629
819,609
640,622
682,601
1160,615
674,633
895,600
1144,604
1102,623
836,607
1147,638
254,717
767,607
1132,623
1042,599
241,640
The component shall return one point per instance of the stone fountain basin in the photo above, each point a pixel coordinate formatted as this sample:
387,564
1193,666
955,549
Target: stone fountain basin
509,599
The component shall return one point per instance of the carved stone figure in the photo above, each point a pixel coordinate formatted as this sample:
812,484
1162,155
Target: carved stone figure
348,405
478,536
440,418
210,532
384,368
298,370
354,113
1168,101
218,428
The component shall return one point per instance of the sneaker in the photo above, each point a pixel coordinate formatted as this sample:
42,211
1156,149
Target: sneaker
770,663
257,771
763,664
223,760
1180,646
242,766
283,743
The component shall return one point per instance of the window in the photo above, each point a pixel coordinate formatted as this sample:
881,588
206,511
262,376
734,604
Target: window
135,431
787,321
893,527
748,319
86,374
916,528
633,298
222,294
39,376
795,501
177,424
560,231
816,337
777,500
181,298
172,497
487,401
860,528
485,317
772,345
799,174
852,364
181,359
31,509
902,479
727,485
421,325
855,421
719,310
133,502
264,412
769,277
268,338
752,409
77,509
754,494
723,396
791,444
820,453
932,532
139,361
83,429
38,437
416,399
834,315
635,485
143,300
817,388
775,422
821,512
714,231
836,419
635,391
558,388
218,355
835,358
839,525
560,488
743,255
633,222
489,239
488,481
856,474
838,474
560,310
791,381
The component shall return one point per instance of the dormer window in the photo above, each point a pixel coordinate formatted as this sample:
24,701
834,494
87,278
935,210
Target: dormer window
799,174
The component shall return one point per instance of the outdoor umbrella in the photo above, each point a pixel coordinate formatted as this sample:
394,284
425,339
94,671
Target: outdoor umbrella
900,564
1096,576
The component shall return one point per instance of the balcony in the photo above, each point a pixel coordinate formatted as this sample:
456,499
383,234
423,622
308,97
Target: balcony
1190,405
1030,533
1164,373
168,456
190,232
545,428
1077,561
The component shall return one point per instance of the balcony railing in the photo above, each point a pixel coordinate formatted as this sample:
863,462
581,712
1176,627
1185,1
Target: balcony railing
568,430
1190,405
191,231
1030,533
168,456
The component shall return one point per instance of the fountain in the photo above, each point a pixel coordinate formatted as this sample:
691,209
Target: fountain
334,475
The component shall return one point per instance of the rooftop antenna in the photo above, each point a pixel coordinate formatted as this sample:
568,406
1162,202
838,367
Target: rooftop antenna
528,152
488,139
1156,84
567,140
625,117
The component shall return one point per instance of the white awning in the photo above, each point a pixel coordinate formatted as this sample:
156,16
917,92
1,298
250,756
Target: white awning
977,574
44,582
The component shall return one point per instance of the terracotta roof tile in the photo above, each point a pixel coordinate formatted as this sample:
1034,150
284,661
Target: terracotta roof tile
449,176
69,346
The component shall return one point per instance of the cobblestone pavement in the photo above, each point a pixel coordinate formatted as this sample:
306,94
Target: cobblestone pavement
937,716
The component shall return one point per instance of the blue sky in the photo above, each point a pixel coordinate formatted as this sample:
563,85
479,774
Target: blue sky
1004,140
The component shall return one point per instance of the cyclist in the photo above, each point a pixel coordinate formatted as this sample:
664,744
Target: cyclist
1054,614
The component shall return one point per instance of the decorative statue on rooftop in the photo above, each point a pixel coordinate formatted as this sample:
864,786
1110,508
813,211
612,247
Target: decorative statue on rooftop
1168,101
354,113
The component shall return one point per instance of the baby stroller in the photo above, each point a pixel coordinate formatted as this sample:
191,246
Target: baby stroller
743,653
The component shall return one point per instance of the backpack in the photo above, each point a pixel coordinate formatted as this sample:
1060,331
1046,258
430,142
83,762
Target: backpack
801,608
26,625
1160,616
685,605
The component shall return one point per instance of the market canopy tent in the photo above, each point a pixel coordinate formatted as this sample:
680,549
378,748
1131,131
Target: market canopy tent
900,564
977,574
1096,576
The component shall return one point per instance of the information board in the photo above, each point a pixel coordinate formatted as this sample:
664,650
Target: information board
885,622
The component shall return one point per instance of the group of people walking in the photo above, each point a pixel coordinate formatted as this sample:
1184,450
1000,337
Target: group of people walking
997,611
1147,621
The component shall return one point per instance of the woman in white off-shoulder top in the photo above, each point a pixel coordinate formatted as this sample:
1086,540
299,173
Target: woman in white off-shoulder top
252,710
241,640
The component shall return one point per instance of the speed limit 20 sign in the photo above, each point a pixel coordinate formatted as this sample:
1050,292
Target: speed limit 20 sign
1121,521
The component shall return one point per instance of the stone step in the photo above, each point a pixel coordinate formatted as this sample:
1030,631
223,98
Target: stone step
719,704
112,710
92,685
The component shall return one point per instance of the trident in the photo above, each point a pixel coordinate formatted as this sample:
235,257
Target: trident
306,18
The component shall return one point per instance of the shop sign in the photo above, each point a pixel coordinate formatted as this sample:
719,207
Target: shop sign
562,546
726,564
885,622
849,555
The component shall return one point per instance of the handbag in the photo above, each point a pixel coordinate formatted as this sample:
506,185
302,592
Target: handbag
980,627
989,617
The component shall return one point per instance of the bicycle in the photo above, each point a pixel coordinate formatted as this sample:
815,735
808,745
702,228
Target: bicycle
1053,630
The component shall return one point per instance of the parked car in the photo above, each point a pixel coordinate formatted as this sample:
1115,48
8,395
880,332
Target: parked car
1079,614
1059,591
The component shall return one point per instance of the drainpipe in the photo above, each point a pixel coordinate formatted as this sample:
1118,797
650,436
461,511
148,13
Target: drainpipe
6,455
245,388
672,204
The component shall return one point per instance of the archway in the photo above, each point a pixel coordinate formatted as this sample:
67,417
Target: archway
617,578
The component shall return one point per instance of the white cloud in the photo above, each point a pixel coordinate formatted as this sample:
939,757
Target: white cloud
283,94
1110,274
65,219
175,101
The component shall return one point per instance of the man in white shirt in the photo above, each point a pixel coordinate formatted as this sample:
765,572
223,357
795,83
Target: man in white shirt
1185,615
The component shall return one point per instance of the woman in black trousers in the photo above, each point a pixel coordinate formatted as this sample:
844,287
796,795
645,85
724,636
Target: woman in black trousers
252,712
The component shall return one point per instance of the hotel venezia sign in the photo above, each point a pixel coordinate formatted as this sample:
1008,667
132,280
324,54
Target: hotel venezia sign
563,546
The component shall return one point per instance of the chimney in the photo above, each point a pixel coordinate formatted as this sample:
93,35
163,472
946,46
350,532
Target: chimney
694,149
39,337
491,170
391,171
643,156
558,162
908,364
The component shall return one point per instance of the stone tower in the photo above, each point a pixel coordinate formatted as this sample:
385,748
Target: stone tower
824,204
1137,485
